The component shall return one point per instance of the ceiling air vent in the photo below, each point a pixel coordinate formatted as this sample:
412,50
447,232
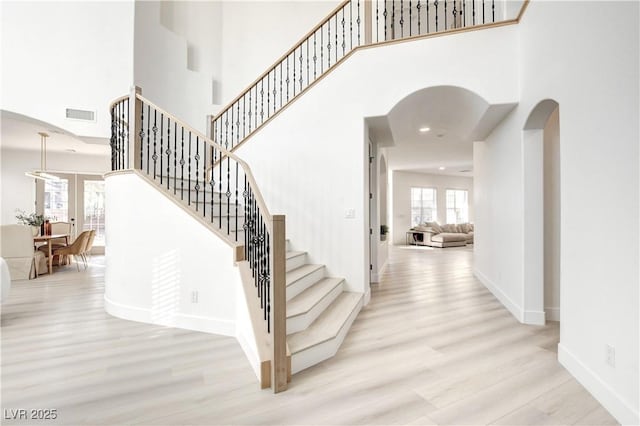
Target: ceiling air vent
80,114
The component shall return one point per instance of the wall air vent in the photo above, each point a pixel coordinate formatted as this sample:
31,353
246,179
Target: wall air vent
80,114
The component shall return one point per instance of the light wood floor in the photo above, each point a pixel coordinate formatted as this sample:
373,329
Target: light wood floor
432,347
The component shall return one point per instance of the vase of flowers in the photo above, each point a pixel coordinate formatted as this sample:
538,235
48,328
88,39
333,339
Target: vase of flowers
36,221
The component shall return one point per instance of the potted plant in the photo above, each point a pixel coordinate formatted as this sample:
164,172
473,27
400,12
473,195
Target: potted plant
34,220
384,230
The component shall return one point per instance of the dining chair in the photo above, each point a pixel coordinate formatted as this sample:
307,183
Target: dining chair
75,249
17,250
88,247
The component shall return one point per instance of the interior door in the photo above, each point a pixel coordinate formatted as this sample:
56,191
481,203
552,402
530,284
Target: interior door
90,200
56,199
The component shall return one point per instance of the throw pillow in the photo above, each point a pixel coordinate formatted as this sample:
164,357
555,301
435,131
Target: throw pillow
436,227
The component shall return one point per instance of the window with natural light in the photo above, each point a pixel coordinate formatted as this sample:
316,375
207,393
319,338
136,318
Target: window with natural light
94,209
423,206
56,200
457,206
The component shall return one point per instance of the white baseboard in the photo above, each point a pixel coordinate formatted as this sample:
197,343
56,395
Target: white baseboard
552,314
534,318
190,322
617,406
508,303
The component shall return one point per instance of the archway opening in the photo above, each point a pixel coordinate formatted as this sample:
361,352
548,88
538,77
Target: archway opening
542,236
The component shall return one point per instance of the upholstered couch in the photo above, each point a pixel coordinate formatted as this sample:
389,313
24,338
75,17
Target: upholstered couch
435,235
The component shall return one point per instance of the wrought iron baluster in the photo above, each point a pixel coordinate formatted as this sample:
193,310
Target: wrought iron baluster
268,279
261,101
212,182
268,96
308,80
384,14
315,56
280,66
189,179
401,18
483,21
141,135
328,43
427,16
350,25
228,195
343,22
493,11
238,122
155,134
321,51
473,15
463,4
358,21
236,201
148,137
275,92
435,3
301,58
418,7
454,12
220,160
393,19
161,148
336,31
182,165
232,126
410,19
175,157
204,178
168,151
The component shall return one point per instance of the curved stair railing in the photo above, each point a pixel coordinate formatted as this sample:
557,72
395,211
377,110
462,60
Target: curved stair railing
352,25
219,188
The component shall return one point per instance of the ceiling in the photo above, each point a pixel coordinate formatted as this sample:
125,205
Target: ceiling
21,132
456,117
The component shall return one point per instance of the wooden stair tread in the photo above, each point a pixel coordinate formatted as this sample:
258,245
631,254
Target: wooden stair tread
298,273
327,325
305,301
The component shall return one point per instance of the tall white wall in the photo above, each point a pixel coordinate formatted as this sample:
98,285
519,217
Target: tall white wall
589,65
317,156
403,182
58,55
158,258
18,190
169,76
257,33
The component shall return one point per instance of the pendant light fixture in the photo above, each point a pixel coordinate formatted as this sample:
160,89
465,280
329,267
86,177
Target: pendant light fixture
42,173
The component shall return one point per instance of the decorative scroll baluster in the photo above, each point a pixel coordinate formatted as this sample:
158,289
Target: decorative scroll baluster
220,160
445,15
435,4
410,19
301,79
175,157
358,21
308,81
401,18
204,179
336,28
148,138
155,134
161,148
189,168
236,202
493,11
328,44
182,166
418,7
168,151
483,19
454,12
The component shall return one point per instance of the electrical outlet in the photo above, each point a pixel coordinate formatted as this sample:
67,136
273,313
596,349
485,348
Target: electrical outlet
610,355
194,296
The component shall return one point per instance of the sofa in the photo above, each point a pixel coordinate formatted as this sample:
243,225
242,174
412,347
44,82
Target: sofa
433,234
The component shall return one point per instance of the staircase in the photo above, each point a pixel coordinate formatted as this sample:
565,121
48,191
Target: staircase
299,310
319,311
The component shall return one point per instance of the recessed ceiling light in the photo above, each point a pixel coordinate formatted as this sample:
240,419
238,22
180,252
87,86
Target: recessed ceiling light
441,168
424,129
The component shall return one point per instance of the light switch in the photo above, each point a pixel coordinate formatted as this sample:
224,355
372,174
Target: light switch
350,213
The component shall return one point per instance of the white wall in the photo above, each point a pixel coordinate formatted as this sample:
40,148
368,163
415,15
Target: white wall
161,66
403,182
18,190
317,164
58,55
257,33
155,262
552,230
589,65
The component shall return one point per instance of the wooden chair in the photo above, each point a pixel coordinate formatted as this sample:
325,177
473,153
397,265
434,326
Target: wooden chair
76,248
57,228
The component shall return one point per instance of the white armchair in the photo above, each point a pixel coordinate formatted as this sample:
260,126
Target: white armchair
18,251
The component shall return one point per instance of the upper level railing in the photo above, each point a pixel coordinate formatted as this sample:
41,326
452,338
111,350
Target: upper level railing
220,189
353,24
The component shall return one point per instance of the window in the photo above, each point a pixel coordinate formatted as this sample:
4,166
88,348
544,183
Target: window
423,205
56,200
94,209
457,206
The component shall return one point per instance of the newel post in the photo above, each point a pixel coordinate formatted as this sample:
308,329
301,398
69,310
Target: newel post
279,368
135,111
368,17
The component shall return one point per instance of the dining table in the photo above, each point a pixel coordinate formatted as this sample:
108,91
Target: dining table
49,240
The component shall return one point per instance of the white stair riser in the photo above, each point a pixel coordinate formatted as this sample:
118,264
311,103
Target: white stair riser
296,261
301,322
325,350
304,283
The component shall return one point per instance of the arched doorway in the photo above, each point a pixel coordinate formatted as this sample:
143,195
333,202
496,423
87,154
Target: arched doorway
541,178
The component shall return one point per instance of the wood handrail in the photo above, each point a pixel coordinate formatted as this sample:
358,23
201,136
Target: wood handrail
117,101
247,170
